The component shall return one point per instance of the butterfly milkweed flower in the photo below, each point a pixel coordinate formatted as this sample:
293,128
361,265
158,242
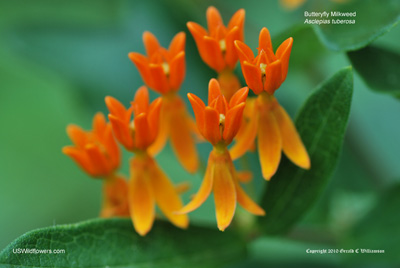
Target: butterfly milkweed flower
271,124
218,123
216,46
163,70
148,184
97,153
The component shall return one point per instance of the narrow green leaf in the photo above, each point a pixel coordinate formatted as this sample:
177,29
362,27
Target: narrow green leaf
373,19
321,124
113,243
378,230
380,68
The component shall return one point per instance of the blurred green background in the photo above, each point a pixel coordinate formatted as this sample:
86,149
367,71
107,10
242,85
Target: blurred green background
59,59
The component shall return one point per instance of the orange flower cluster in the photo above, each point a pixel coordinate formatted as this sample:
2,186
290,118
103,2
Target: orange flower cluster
144,128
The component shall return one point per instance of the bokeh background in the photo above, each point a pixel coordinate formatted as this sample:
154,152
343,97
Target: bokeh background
59,59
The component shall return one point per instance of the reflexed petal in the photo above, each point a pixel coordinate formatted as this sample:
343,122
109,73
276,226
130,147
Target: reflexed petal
232,122
211,127
247,133
162,136
80,158
177,71
224,195
142,132
204,191
214,90
291,4
141,199
142,64
198,108
244,52
247,203
159,79
238,20
292,145
182,141
177,44
115,198
150,43
252,74
239,96
269,144
140,103
264,40
273,78
213,57
244,176
166,197
213,19
77,135
283,53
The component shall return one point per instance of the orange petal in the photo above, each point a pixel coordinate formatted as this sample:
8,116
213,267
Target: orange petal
142,131
292,145
283,53
162,136
224,195
198,109
246,202
80,158
182,141
213,57
154,117
264,40
141,198
166,197
140,103
291,4
115,198
98,160
220,104
204,191
243,51
77,135
247,133
121,131
177,71
142,64
111,147
99,124
273,77
177,44
115,107
238,20
211,127
159,79
150,43
239,96
232,122
214,90
269,144
231,56
213,19
252,74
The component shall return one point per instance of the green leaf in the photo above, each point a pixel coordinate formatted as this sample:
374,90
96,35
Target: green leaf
321,124
373,19
380,68
378,230
114,243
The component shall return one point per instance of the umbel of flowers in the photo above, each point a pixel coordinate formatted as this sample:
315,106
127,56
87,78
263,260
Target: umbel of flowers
144,127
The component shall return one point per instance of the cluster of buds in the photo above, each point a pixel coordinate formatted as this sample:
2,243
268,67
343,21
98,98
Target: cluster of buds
230,116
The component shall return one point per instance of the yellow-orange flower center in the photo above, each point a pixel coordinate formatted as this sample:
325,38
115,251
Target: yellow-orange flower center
165,67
